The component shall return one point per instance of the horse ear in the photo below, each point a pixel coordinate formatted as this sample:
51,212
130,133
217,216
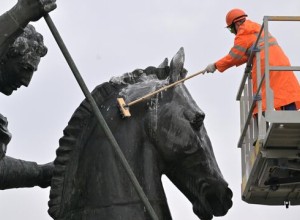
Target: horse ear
177,71
164,63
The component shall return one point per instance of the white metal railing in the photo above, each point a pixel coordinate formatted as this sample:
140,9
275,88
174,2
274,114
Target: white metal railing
255,128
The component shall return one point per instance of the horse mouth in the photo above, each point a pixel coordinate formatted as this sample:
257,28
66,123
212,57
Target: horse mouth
215,202
219,205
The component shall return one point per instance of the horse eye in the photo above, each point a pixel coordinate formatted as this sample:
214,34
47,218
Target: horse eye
197,121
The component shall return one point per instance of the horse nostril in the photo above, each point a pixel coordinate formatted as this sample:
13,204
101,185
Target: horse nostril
229,193
205,187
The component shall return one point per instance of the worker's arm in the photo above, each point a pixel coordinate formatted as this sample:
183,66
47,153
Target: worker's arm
236,56
13,21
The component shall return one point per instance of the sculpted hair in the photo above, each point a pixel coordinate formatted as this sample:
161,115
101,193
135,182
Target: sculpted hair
29,44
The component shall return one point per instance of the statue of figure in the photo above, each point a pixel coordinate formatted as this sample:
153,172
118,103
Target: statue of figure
21,49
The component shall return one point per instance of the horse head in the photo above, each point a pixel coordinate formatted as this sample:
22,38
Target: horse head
175,126
164,135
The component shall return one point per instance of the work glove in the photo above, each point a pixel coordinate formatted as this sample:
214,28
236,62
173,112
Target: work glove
210,68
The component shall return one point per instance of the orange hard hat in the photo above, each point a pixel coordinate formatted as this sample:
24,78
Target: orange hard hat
235,15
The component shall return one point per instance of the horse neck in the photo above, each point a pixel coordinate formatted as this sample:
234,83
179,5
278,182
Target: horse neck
87,171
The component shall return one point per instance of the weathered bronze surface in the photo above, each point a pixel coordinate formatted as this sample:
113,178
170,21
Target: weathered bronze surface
164,135
21,49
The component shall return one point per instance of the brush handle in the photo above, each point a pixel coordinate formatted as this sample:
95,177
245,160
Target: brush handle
163,88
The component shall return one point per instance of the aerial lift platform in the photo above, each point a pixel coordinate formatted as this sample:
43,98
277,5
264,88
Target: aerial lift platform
270,142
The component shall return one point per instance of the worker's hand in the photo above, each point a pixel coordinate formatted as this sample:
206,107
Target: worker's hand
31,10
210,68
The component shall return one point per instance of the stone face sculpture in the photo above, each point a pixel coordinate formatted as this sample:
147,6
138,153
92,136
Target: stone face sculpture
164,135
21,49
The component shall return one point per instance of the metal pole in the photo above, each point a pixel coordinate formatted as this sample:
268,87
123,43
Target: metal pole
250,113
99,117
269,98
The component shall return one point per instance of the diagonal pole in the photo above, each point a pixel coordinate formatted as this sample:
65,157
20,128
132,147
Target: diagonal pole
99,117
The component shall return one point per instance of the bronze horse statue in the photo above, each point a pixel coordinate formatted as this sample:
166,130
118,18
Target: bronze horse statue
164,135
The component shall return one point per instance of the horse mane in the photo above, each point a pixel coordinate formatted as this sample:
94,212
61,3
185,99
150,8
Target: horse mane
70,141
76,127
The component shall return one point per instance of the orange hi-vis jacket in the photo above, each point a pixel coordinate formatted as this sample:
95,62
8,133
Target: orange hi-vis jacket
284,84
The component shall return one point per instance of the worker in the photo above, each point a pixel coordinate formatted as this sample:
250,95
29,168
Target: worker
21,49
284,84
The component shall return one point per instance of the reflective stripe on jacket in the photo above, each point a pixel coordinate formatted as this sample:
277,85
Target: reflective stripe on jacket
284,84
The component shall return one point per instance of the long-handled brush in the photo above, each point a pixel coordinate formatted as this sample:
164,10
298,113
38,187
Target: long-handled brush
124,108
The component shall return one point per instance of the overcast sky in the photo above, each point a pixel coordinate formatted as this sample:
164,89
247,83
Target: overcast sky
109,38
